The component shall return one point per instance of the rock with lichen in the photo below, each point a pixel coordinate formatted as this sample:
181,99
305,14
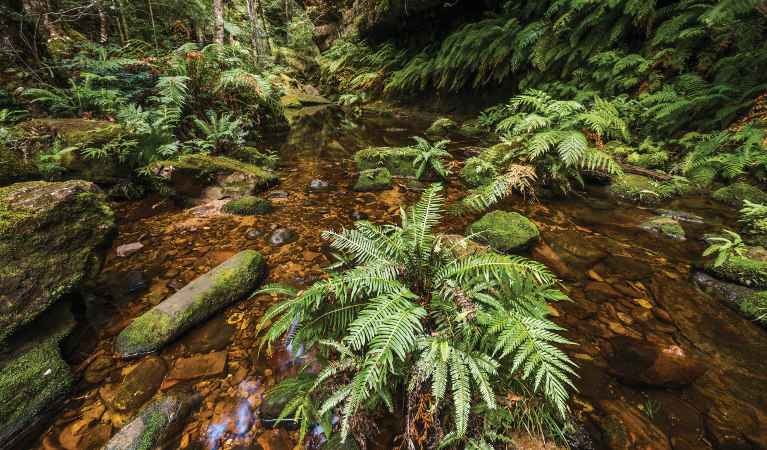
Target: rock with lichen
199,300
373,180
440,127
736,194
666,226
637,188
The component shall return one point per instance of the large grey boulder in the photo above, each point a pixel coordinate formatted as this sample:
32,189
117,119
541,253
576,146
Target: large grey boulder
196,302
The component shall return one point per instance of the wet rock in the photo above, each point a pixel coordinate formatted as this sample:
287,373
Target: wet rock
416,186
172,273
318,185
135,281
196,302
248,206
281,236
663,225
34,379
213,335
138,384
159,425
175,285
636,188
199,366
98,369
725,437
678,215
632,268
743,270
461,247
96,437
373,180
601,289
126,250
542,253
736,193
399,161
647,363
624,427
230,415
358,215
277,194
441,126
275,440
253,234
504,231
67,226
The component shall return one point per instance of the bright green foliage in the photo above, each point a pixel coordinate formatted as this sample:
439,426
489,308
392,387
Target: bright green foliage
726,247
429,158
220,134
755,307
409,314
725,154
83,95
753,216
738,193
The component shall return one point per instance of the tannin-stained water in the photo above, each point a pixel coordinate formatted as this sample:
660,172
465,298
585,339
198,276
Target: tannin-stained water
628,286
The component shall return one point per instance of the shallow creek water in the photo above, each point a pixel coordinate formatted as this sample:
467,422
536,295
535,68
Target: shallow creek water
646,293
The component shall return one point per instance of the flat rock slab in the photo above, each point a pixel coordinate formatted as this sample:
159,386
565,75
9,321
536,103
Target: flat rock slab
159,425
199,366
194,303
139,383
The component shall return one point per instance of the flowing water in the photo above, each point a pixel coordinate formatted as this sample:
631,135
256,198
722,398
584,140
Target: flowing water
628,285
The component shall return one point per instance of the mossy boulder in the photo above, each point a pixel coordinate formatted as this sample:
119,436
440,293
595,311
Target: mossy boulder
187,178
253,156
53,238
159,425
664,225
736,194
296,99
504,231
34,378
636,188
656,160
196,302
471,129
441,127
373,180
248,206
754,307
744,270
398,161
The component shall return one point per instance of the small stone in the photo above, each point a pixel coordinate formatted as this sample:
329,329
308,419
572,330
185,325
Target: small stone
126,250
155,298
643,303
319,186
625,318
592,275
253,234
199,366
601,288
135,281
172,273
138,384
96,437
98,369
67,439
275,440
662,315
277,194
281,236
358,215
310,255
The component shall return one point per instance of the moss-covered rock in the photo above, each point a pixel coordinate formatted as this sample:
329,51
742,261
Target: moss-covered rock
187,178
196,302
34,379
743,270
159,425
399,161
504,231
52,239
248,206
656,160
373,180
755,307
290,102
636,188
736,194
471,129
441,126
664,225
482,169
251,155
297,99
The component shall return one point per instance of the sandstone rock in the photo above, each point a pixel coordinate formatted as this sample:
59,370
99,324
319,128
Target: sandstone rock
126,250
213,335
281,236
191,305
542,253
138,384
624,427
275,440
199,366
159,425
98,369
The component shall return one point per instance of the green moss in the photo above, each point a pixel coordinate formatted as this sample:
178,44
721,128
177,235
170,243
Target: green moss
656,160
253,156
664,225
290,101
637,188
755,307
248,206
504,231
197,301
735,194
373,180
745,271
399,161
441,126
482,169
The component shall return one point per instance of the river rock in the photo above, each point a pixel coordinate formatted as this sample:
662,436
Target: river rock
67,226
248,206
441,126
735,194
542,253
678,215
135,281
318,185
664,225
276,440
126,250
253,234
98,369
744,270
197,301
138,384
624,427
34,379
358,215
159,425
648,363
398,161
213,335
281,236
198,366
503,231
373,180
277,194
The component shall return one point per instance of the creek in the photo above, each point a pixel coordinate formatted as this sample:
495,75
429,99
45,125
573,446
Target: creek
633,293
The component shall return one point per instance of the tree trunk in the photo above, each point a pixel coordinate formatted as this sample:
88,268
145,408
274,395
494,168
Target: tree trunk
255,31
263,24
103,21
218,22
151,16
287,22
123,16
40,13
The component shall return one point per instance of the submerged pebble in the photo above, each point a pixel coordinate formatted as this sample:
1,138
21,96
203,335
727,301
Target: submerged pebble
281,236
